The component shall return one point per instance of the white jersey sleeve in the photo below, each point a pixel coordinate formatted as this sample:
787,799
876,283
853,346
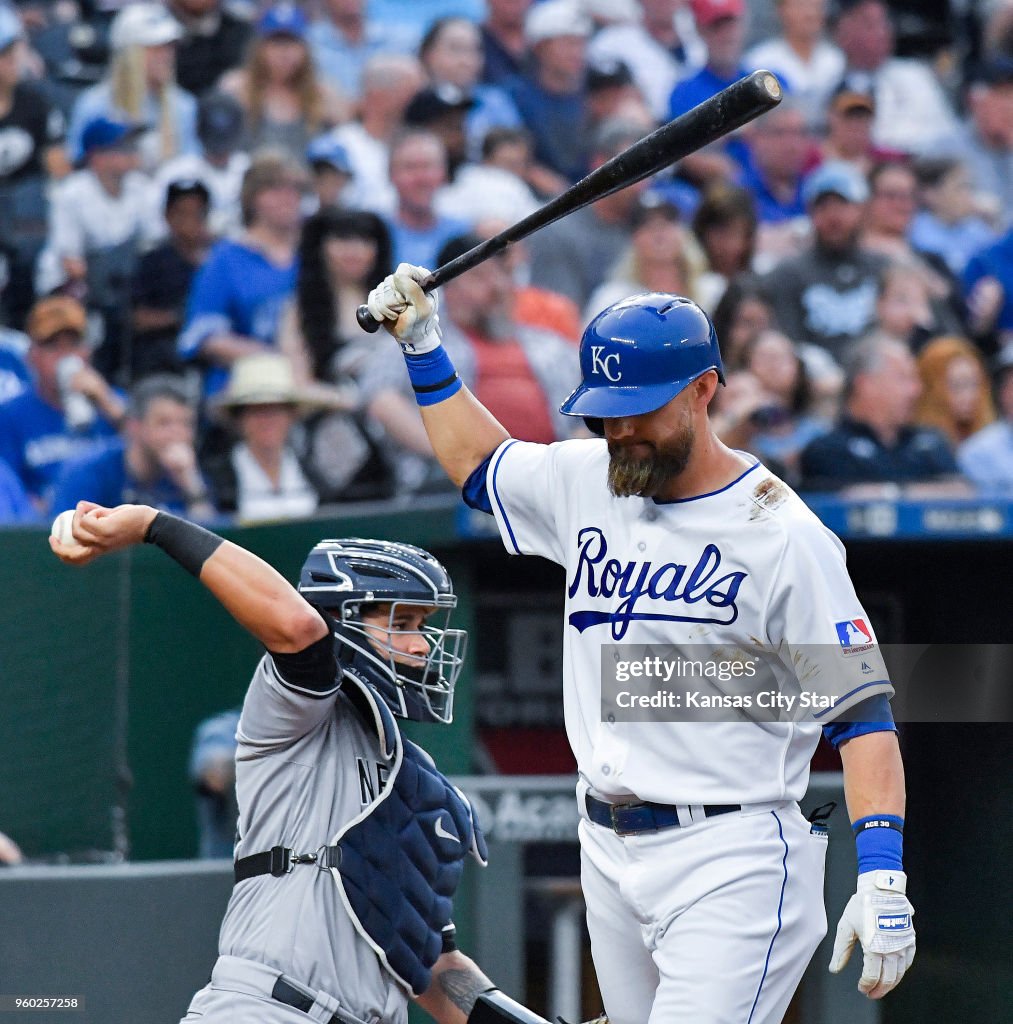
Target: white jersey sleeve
529,488
816,620
276,713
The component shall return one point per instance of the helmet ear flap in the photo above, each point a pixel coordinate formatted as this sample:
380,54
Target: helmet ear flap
595,425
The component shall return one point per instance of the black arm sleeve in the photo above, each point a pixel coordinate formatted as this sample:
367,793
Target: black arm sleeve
314,668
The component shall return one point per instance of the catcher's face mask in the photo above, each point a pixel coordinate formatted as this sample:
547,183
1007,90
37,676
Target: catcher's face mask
418,651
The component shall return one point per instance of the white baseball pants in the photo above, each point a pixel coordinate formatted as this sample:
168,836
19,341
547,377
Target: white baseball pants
708,924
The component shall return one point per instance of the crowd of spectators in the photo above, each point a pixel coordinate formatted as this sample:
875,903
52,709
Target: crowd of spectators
195,196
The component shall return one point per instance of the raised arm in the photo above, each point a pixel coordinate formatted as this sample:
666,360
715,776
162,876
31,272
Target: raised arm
257,596
461,430
463,433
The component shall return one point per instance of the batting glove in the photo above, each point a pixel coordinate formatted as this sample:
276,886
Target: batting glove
879,916
408,313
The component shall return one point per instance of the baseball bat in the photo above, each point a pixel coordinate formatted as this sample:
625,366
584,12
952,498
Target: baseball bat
740,103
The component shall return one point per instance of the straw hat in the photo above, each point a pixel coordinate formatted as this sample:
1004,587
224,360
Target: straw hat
263,379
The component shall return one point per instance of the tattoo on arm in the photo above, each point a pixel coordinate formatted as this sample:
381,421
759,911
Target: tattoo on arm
462,986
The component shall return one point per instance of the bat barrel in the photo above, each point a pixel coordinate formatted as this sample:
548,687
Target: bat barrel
740,103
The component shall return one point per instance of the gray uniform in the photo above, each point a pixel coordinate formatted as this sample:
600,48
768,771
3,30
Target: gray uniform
305,767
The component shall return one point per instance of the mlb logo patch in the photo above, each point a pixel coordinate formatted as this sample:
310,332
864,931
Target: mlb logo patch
854,636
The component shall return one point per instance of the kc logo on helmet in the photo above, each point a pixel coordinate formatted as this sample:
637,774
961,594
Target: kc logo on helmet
599,365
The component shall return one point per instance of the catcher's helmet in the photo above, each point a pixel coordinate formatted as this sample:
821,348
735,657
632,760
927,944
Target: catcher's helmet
346,576
638,354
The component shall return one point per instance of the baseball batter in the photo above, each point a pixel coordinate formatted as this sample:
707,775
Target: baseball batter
350,842
703,880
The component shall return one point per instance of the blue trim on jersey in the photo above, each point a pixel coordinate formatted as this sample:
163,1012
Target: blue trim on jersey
499,502
850,693
780,906
875,714
709,494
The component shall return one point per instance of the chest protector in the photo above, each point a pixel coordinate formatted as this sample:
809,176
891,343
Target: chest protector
402,857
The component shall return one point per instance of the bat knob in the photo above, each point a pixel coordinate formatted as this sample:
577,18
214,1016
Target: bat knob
366,321
770,84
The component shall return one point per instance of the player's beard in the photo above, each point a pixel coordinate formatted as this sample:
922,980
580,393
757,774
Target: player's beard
645,477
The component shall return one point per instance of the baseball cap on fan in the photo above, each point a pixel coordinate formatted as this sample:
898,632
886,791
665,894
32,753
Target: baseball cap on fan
11,29
50,316
219,122
326,151
105,133
613,12
144,24
851,98
435,102
709,12
651,205
554,18
283,20
608,73
835,178
181,187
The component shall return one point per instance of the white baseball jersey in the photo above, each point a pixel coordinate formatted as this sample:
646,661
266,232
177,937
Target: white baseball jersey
305,767
748,567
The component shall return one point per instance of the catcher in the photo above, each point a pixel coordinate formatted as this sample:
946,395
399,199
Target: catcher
350,842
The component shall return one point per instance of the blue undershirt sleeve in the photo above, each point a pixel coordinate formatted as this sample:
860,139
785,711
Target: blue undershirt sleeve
875,715
474,491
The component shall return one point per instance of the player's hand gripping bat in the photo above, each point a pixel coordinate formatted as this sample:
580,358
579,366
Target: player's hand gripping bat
740,103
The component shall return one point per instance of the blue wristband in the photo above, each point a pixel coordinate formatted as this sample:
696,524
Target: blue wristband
879,843
433,376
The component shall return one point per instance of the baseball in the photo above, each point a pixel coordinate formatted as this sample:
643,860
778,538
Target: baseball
62,527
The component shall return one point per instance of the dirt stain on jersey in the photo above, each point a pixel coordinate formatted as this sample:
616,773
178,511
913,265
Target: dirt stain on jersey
805,668
767,495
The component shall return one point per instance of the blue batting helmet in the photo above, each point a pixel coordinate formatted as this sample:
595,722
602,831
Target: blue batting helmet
638,354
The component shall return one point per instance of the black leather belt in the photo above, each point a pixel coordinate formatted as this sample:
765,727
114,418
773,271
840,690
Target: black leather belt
291,996
279,860
629,819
